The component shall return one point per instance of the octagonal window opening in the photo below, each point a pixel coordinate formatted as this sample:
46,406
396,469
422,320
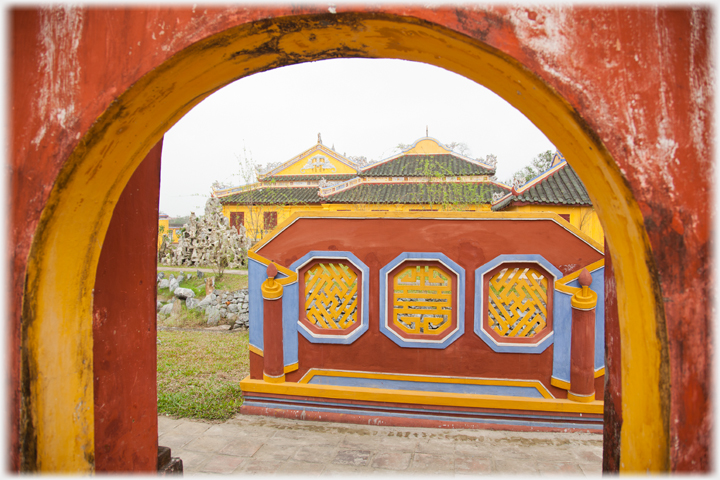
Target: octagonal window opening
422,297
423,301
330,297
519,303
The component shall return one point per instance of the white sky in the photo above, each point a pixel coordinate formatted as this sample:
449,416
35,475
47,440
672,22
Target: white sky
363,107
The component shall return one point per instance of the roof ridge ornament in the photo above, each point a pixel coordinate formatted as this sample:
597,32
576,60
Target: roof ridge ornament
319,139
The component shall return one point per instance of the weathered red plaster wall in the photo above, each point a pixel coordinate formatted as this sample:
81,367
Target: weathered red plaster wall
640,77
613,374
376,242
125,331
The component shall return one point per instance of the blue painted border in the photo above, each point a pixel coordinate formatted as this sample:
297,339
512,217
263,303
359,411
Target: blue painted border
428,386
257,273
365,298
384,317
563,327
479,302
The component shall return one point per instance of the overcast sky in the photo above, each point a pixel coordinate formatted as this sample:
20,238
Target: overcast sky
362,107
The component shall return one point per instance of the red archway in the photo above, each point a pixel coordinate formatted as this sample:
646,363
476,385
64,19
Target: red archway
80,132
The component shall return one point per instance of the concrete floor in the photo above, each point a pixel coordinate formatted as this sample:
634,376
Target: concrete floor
249,444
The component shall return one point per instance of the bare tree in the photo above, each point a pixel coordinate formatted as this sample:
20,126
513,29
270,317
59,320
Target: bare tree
459,147
360,161
255,199
538,165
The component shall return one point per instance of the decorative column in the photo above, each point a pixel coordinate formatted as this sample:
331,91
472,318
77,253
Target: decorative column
272,291
582,347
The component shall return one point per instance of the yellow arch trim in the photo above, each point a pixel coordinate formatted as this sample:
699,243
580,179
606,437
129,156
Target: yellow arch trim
57,315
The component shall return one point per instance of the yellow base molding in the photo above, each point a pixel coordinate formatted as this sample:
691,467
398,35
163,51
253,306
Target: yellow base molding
556,382
291,368
581,398
256,350
278,379
421,398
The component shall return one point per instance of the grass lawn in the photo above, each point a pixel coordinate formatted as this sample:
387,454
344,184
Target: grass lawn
199,373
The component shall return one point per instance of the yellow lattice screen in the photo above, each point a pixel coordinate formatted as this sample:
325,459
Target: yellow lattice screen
422,300
518,302
331,295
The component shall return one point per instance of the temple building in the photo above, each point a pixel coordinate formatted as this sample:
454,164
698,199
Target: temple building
558,190
427,176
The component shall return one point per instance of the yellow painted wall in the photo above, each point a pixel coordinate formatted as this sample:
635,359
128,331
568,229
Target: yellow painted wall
427,146
584,218
163,227
297,167
254,216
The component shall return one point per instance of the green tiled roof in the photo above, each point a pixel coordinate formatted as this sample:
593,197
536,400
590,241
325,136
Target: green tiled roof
275,196
561,188
472,193
302,178
426,166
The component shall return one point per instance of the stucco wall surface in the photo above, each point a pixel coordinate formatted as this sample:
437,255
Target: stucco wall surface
125,330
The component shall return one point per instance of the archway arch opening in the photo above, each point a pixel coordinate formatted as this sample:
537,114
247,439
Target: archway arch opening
57,316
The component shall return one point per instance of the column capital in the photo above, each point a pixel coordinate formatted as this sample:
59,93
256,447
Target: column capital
584,298
270,288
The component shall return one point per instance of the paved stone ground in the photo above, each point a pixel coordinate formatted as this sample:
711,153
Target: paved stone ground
248,444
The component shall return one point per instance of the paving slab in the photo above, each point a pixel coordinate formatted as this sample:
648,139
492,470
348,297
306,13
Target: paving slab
516,468
175,440
392,460
242,446
191,460
591,469
258,467
226,430
257,445
300,468
559,468
191,427
276,453
336,470
426,463
315,454
166,424
355,458
473,465
207,444
225,464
